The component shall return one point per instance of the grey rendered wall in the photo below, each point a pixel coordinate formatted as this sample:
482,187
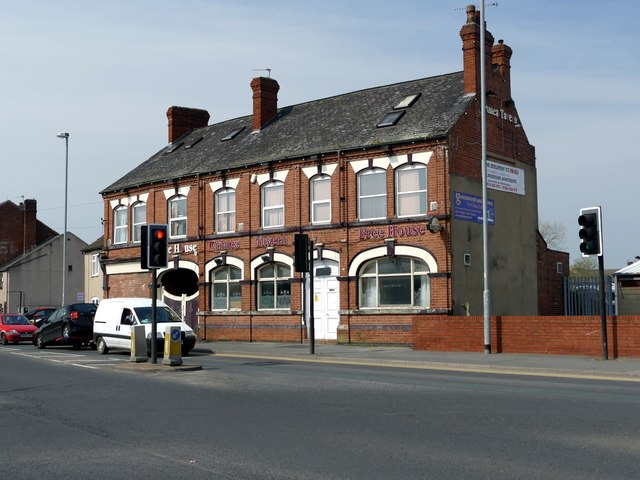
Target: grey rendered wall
512,252
39,277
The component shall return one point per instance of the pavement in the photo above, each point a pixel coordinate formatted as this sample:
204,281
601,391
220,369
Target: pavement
565,366
572,366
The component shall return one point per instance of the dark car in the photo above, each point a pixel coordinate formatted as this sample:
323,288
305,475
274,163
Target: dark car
39,315
69,325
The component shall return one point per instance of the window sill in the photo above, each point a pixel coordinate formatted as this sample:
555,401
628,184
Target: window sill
394,311
244,313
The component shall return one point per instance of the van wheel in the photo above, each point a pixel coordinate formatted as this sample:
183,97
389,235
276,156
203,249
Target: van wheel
39,342
102,346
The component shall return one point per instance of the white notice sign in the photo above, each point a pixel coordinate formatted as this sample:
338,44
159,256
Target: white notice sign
505,178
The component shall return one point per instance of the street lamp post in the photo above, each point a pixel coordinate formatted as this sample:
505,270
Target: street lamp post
486,293
64,235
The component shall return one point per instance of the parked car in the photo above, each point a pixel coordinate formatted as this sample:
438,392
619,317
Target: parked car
116,316
39,315
15,328
68,325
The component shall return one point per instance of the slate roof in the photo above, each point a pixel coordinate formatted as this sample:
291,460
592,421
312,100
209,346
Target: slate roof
342,122
98,244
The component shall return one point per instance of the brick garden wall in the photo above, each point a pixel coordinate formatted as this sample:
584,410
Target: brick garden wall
551,335
252,327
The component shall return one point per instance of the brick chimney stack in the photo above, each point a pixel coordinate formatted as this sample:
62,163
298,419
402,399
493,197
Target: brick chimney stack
182,120
29,208
501,59
470,34
265,101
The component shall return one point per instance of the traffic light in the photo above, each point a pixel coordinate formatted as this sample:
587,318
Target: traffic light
157,246
144,248
590,231
301,252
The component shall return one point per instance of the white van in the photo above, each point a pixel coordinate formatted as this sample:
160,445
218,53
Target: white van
115,317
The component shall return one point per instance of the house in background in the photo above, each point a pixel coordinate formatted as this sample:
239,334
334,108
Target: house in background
386,182
31,260
20,230
93,271
35,278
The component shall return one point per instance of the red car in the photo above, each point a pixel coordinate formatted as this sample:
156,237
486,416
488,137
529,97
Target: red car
15,328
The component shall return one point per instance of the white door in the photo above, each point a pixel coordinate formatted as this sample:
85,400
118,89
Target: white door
326,300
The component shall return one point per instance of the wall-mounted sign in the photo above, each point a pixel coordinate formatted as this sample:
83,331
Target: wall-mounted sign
469,207
505,178
392,231
500,113
271,241
223,245
188,248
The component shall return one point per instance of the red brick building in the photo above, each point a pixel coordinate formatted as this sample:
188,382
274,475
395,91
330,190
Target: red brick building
20,230
385,181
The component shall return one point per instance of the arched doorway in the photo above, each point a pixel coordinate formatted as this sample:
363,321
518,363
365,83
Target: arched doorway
326,299
180,292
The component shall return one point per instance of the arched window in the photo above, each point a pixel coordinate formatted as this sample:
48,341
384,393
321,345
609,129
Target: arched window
226,292
273,204
225,210
394,282
411,190
321,199
274,286
178,217
372,194
139,216
120,224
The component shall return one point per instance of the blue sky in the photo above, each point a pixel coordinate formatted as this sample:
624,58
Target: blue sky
106,72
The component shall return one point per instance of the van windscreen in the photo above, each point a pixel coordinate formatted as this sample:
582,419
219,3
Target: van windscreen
163,315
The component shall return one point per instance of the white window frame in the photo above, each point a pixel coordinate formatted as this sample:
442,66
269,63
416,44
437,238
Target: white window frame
271,185
363,198
376,275
178,219
120,229
324,201
95,264
417,167
229,215
136,225
273,280
227,282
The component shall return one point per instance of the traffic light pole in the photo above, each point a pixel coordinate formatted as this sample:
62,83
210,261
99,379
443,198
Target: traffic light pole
603,309
154,323
312,326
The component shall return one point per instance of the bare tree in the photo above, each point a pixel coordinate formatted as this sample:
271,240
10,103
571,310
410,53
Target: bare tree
553,233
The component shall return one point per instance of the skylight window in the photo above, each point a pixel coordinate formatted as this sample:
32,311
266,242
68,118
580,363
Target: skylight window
194,143
232,134
174,147
408,101
391,118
